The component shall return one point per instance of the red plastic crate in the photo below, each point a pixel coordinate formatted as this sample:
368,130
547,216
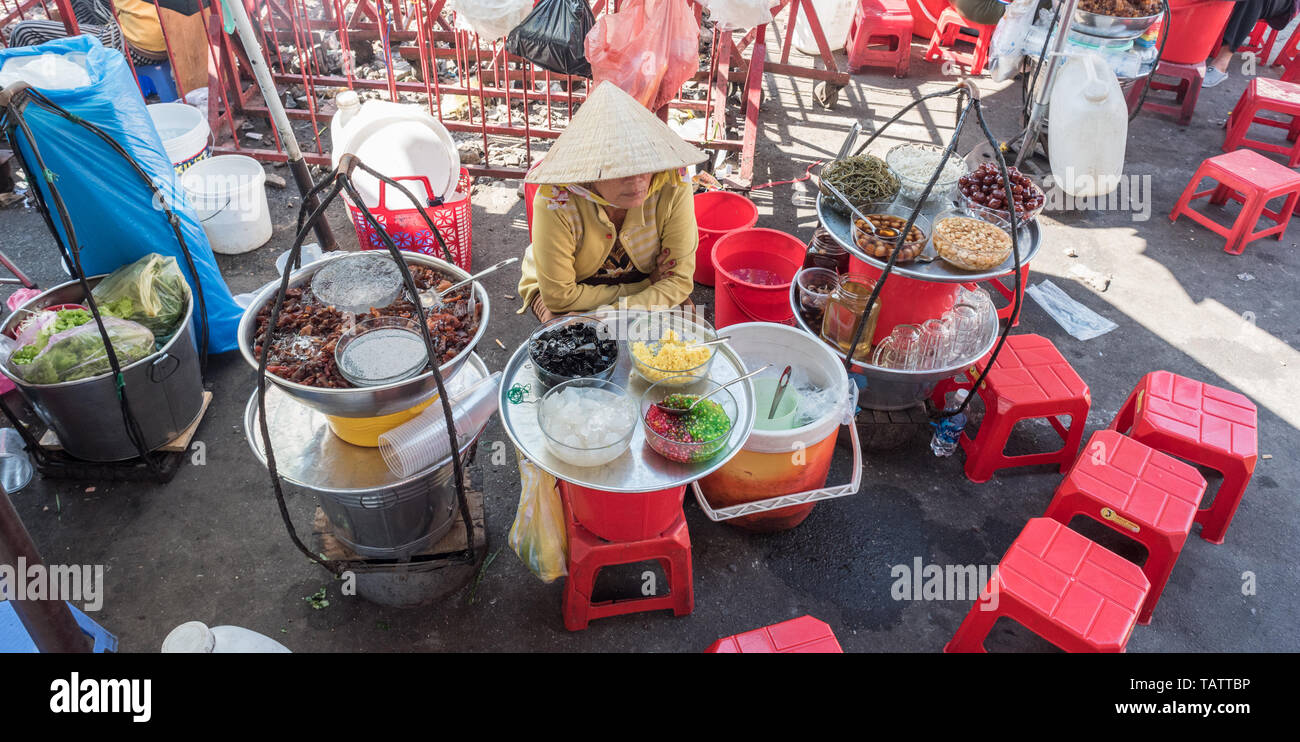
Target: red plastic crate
803,635
409,230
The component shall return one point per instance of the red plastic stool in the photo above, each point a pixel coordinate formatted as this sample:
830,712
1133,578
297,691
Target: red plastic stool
1061,586
1260,42
1253,180
588,554
953,28
803,635
1186,90
1030,379
1139,492
881,36
1289,53
1202,424
1264,94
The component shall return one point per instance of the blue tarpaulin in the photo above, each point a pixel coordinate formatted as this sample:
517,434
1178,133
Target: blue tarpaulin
113,211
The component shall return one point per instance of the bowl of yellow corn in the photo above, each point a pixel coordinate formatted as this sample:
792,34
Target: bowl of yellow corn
666,344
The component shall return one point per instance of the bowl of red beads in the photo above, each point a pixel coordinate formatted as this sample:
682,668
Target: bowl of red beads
696,435
984,192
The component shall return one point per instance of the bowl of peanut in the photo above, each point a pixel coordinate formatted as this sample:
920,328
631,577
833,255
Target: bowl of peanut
971,240
878,230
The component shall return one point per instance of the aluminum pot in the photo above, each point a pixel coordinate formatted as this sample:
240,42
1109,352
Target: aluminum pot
891,388
165,390
376,513
371,401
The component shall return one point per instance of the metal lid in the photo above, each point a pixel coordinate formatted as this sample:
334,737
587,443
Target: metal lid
309,454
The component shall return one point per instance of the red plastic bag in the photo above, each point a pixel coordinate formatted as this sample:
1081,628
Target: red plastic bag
649,49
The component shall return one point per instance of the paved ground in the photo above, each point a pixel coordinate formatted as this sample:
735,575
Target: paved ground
210,546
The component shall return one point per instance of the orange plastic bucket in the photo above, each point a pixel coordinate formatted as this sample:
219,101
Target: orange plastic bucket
754,269
717,213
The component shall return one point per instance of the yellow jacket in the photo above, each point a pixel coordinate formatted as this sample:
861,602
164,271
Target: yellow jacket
572,237
140,25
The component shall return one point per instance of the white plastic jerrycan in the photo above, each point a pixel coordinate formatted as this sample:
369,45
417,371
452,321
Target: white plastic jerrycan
194,637
1087,127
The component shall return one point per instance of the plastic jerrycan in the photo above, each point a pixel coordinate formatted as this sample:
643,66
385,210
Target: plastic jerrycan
1087,127
397,140
349,105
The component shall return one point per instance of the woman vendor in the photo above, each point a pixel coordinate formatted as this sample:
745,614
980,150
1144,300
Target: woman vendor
614,219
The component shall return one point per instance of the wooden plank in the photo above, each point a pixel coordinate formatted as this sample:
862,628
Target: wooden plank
188,45
179,444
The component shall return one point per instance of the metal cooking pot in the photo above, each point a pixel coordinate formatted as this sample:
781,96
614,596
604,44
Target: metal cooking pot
165,391
376,513
372,401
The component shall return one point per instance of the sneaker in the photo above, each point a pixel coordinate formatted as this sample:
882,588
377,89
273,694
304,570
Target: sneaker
1213,77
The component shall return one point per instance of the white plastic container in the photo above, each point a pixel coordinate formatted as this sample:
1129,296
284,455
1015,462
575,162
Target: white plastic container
184,132
194,637
397,141
835,17
1088,127
229,194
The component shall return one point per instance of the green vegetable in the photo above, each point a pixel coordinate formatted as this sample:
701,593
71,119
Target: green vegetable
64,319
863,179
151,291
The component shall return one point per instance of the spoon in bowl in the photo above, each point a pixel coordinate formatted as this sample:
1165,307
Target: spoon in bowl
679,411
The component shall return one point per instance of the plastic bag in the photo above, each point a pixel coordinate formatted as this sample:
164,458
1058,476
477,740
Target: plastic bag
150,291
551,37
988,12
1077,319
649,48
490,19
48,71
538,535
741,15
1007,47
79,353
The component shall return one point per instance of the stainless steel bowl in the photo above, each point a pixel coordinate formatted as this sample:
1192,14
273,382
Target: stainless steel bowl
371,401
1111,27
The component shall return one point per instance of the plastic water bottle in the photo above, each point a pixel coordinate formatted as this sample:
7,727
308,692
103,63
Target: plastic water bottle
948,430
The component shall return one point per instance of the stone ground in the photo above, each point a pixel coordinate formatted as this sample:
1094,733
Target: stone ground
210,546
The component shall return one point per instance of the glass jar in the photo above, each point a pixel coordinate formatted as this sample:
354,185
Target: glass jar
825,252
844,312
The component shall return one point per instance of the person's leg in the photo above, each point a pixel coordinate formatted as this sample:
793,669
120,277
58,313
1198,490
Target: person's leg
1242,21
35,33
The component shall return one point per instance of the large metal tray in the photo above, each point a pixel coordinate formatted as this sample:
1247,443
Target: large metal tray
640,468
938,271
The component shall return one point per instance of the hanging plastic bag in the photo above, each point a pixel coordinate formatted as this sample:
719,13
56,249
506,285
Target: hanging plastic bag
490,19
79,352
739,15
551,37
649,49
150,291
1007,47
538,535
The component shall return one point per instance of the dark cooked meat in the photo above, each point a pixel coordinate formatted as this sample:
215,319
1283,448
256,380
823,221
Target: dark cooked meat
302,345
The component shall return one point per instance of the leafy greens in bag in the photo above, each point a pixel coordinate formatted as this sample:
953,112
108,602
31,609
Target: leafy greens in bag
79,352
150,291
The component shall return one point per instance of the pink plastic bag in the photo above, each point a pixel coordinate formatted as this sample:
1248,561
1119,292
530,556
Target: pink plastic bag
649,48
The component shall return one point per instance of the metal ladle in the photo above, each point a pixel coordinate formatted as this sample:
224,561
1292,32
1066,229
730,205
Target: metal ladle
679,411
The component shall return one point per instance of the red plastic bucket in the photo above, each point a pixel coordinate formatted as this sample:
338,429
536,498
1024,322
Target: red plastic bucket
624,516
717,213
741,256
906,301
1195,29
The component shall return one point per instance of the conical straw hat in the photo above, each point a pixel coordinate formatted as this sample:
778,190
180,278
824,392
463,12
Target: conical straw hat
613,136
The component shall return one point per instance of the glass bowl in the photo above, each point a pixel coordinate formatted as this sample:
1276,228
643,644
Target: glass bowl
686,451
911,188
890,216
815,288
646,332
601,402
381,350
1022,217
595,365
965,254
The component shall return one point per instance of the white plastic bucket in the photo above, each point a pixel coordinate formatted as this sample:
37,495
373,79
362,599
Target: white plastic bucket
184,132
229,194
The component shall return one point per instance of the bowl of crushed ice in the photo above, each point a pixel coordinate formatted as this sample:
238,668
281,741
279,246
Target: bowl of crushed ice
587,422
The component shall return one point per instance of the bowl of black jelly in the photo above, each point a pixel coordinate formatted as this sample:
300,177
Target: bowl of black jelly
574,347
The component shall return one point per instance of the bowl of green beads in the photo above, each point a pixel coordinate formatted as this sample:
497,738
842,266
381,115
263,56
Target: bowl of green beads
696,436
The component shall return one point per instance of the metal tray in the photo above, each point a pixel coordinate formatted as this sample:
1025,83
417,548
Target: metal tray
640,468
1111,27
939,271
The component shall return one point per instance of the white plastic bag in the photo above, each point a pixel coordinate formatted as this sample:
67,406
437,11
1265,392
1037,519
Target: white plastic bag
1008,44
490,19
1075,318
46,71
741,15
